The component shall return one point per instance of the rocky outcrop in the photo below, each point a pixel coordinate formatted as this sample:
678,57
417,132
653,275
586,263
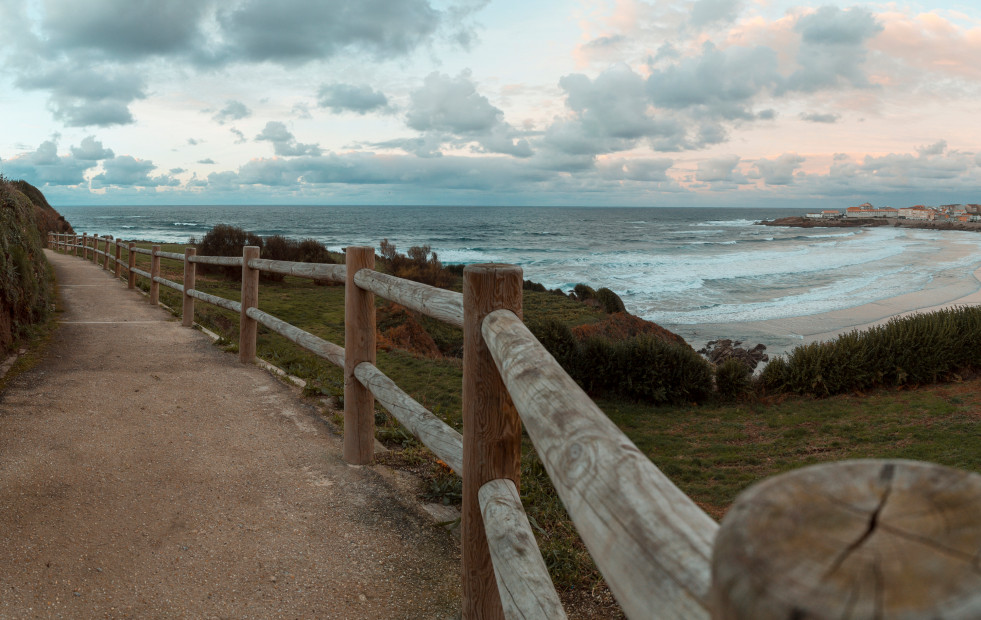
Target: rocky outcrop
718,351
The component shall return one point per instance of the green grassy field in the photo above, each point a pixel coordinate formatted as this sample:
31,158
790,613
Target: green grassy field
712,452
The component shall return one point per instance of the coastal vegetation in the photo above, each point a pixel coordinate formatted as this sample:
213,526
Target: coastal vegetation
26,284
799,411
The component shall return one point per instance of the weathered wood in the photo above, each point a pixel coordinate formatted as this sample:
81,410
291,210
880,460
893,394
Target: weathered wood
444,441
491,429
227,261
143,251
447,306
526,589
171,255
75,246
359,346
154,274
651,541
85,246
119,249
169,284
105,264
140,272
312,271
852,539
214,300
247,328
131,260
325,349
190,276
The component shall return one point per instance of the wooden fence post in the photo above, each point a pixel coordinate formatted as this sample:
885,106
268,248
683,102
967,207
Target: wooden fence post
190,273
855,539
154,274
85,246
247,327
359,346
105,264
95,249
75,246
491,428
51,241
119,249
131,257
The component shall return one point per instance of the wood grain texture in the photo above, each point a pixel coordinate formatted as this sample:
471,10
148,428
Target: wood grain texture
359,347
651,541
525,587
434,433
853,539
247,328
227,261
214,300
169,284
190,277
491,428
143,251
154,274
131,266
171,255
140,272
119,251
447,306
312,271
323,348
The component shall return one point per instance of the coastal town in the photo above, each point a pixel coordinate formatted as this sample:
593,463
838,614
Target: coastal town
943,213
944,217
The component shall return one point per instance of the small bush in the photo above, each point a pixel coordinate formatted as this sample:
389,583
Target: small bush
610,301
732,379
420,264
772,378
583,292
226,240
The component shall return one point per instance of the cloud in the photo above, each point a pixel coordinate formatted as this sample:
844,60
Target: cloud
206,161
645,170
297,31
360,99
450,104
719,170
937,148
84,95
91,150
833,49
44,166
816,117
177,170
706,12
284,144
128,171
780,170
239,136
123,29
233,111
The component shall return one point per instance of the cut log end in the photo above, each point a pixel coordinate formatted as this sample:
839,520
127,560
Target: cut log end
853,539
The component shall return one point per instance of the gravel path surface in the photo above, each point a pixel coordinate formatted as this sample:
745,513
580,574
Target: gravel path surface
145,473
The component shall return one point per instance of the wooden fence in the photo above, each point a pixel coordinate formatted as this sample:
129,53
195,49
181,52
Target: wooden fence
814,543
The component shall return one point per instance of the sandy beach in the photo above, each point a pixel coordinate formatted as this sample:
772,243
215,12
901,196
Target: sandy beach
783,334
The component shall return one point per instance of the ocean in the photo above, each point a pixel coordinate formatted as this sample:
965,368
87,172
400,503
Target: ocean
678,267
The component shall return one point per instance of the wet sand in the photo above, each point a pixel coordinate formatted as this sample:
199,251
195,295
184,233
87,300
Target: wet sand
782,335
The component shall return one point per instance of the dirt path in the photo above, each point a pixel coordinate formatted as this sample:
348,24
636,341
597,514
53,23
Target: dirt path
145,473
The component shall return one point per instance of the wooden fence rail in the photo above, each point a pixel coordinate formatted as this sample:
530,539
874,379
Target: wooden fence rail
655,547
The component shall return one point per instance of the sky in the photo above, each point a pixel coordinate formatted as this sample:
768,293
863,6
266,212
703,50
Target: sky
679,103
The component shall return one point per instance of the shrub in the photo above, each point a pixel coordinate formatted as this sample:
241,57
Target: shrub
733,379
610,301
226,240
420,264
772,378
583,292
558,340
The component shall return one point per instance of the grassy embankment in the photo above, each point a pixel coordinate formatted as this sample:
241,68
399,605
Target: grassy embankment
712,451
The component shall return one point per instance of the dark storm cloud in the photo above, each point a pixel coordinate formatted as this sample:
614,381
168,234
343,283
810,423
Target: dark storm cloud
128,171
284,143
233,111
351,98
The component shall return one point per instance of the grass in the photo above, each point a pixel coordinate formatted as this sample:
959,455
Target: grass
712,452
